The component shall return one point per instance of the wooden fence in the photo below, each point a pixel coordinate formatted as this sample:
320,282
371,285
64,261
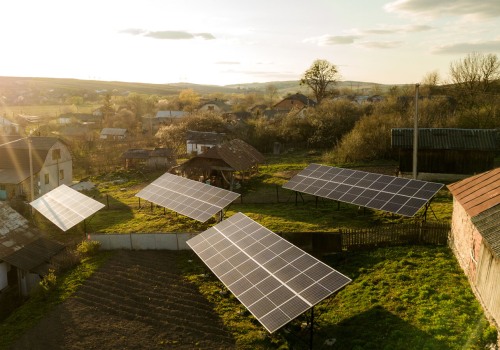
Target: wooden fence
435,233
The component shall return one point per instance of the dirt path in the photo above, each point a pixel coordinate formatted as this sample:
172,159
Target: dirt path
138,300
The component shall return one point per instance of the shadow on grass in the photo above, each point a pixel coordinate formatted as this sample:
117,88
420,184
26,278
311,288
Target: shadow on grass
375,329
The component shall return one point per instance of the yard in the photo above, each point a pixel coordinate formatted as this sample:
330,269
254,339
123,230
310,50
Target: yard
411,297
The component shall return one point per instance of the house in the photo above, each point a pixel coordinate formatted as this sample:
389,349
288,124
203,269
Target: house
199,141
152,124
7,127
50,163
24,252
475,236
448,151
296,101
158,158
221,162
215,106
113,134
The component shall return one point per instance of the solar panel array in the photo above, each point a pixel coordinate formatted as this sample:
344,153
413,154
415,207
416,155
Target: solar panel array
272,278
66,207
383,192
194,199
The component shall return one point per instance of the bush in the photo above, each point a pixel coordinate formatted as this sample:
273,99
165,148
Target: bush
86,248
47,283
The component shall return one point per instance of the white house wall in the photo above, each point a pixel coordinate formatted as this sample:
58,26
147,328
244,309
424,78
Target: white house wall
53,166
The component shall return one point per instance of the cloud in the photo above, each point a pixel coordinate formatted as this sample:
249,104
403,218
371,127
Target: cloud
412,28
227,62
380,44
168,34
479,46
327,40
437,8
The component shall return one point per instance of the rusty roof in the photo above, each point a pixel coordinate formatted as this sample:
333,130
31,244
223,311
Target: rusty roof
478,193
488,225
238,154
446,139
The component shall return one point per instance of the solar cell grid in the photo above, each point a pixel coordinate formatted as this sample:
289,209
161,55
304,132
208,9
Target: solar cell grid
191,198
66,207
275,285
371,190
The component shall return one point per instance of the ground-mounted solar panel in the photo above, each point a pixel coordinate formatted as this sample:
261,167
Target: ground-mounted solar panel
194,199
66,207
272,278
383,192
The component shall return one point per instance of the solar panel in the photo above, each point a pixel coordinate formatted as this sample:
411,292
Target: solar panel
272,278
194,199
383,192
66,207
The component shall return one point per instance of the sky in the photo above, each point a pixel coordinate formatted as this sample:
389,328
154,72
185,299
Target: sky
221,42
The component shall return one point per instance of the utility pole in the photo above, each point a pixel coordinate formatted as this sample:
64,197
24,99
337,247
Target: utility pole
415,134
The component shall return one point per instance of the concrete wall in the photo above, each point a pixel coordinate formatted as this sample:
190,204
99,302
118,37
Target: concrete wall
143,241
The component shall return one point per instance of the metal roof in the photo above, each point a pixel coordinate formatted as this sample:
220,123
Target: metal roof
212,138
488,225
446,139
478,193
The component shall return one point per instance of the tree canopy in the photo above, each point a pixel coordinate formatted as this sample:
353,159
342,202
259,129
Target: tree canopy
320,77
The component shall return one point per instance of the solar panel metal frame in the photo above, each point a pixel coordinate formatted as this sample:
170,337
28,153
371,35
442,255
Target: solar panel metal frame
383,192
191,198
66,207
275,280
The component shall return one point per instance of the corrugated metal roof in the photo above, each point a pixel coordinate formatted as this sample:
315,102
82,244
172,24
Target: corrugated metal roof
212,138
446,139
113,131
478,193
488,224
34,254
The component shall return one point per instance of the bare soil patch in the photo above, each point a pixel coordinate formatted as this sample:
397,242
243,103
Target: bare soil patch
138,300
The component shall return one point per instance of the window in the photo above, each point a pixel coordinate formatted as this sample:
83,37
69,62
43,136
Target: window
47,179
56,154
61,174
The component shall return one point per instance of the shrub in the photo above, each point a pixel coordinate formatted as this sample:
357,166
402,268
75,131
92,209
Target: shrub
86,248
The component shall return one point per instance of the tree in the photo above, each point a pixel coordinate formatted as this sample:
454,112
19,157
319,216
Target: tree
475,74
429,83
320,77
271,92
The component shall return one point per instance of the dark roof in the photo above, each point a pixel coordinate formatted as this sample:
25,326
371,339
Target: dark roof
162,152
212,138
219,103
238,154
299,97
446,139
488,225
14,153
478,193
35,255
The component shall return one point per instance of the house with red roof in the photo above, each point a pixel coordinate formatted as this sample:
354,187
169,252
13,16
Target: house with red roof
475,236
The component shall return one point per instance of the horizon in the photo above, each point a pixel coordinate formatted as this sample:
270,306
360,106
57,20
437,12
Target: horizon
220,43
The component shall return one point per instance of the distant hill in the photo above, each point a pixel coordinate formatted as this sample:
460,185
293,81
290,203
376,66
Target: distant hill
55,90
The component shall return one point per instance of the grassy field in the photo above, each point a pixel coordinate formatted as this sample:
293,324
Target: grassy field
45,111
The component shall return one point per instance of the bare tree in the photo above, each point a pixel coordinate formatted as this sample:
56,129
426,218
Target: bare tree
271,92
320,77
475,73
429,83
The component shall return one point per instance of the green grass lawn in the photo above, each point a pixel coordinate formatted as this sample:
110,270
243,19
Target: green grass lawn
413,297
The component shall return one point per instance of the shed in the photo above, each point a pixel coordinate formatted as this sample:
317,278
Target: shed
220,162
24,252
446,150
158,158
113,134
475,236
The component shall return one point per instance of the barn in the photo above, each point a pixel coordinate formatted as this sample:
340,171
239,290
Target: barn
475,236
446,150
